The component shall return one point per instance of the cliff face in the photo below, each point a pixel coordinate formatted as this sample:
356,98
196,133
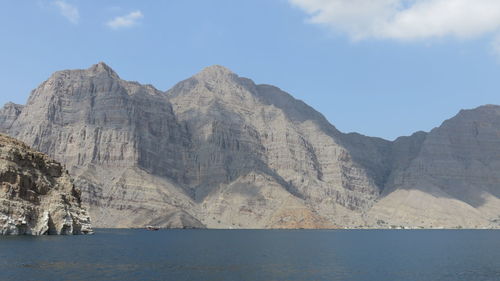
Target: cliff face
217,150
37,196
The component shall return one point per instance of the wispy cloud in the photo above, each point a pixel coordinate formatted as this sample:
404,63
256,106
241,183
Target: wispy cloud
68,11
127,20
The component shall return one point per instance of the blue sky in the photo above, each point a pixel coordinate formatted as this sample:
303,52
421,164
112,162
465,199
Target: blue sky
390,81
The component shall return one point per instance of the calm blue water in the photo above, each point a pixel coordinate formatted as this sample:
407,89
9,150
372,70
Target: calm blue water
254,255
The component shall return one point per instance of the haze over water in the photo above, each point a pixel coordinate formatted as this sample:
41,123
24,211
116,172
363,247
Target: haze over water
254,255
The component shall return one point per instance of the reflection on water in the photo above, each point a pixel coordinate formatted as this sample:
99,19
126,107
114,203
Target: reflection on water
254,255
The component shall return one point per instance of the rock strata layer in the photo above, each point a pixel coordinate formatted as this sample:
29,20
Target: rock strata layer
37,196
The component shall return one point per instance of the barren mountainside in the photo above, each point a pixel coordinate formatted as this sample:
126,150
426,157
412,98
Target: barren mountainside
218,150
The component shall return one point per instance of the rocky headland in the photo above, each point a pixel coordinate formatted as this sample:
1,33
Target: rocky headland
37,196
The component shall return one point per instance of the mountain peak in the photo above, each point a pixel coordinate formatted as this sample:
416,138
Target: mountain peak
215,72
216,68
102,67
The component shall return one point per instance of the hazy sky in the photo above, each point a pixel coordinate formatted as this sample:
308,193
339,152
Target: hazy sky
378,67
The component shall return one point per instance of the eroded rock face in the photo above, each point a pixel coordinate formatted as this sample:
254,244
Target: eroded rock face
37,196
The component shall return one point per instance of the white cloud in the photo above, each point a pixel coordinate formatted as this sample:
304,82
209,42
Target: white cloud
128,20
405,19
68,11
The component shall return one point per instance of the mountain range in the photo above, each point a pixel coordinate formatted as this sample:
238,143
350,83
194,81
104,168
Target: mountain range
219,151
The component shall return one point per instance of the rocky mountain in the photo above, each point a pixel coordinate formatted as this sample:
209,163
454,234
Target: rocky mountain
9,114
37,196
258,156
120,139
448,177
218,150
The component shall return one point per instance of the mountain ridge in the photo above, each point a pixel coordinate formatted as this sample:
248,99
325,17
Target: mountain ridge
217,150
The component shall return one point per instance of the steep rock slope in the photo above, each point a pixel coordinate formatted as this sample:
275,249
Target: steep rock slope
448,177
247,137
37,196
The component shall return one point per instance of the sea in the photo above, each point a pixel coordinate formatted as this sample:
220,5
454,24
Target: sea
137,254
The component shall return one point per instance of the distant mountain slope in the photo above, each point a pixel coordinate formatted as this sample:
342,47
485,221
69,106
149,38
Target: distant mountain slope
452,175
217,150
9,114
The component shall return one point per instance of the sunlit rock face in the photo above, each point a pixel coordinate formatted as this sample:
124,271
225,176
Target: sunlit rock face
218,150
37,196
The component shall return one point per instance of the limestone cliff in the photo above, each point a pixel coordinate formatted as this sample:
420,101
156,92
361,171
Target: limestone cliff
37,196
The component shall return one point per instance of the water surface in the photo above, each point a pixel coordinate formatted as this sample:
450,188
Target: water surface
255,255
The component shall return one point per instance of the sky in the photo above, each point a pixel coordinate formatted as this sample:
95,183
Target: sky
383,68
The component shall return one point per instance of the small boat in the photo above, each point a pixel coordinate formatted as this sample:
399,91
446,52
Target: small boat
150,227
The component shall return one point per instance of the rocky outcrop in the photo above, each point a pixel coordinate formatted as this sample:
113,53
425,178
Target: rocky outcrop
218,150
37,196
